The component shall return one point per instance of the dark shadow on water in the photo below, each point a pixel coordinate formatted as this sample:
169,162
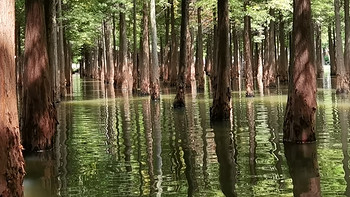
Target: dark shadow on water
225,151
303,168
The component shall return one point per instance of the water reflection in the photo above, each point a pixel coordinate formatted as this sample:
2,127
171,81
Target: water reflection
225,151
303,168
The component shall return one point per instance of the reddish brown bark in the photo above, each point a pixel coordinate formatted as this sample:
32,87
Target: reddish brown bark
282,69
249,80
347,36
270,70
144,68
39,113
12,162
134,55
300,117
319,57
179,101
109,52
222,98
60,48
209,57
173,48
236,65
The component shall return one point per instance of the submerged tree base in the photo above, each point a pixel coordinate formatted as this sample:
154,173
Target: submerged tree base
342,85
220,111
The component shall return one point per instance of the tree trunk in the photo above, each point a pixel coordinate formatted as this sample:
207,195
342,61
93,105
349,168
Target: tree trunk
38,110
300,118
124,76
145,84
318,51
60,49
249,80
342,78
283,65
155,84
109,52
259,75
332,51
270,74
347,37
12,162
173,58
209,57
134,57
180,96
199,53
236,64
222,98
68,66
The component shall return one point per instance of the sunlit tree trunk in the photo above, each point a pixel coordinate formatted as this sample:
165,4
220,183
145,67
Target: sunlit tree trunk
300,116
109,52
222,98
259,75
38,110
12,162
155,84
342,78
179,101
283,65
249,80
144,68
199,53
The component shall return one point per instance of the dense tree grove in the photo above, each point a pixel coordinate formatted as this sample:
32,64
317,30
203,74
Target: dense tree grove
139,46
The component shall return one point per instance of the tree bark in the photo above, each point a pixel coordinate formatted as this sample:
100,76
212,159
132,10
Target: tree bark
331,46
249,80
109,52
199,53
319,57
209,57
342,78
179,101
222,98
12,162
283,65
155,84
173,58
144,87
270,74
300,116
38,109
347,37
134,55
60,49
259,75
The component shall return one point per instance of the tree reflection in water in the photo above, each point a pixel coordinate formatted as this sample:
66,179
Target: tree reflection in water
303,168
225,151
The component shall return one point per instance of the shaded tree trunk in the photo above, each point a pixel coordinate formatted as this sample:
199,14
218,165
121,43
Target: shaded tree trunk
209,57
236,65
199,53
300,116
283,65
144,70
173,57
332,51
342,78
179,101
319,57
38,110
155,84
134,55
249,80
270,72
60,49
12,162
222,98
347,37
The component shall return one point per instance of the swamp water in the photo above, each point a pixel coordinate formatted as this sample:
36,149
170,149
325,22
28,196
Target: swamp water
110,144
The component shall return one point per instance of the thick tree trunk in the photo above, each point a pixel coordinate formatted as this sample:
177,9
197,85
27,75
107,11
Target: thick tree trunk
12,162
179,101
38,109
60,49
342,78
166,65
50,8
249,80
283,65
109,52
144,70
199,53
173,57
270,74
123,75
300,117
222,98
331,46
347,37
155,84
319,57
